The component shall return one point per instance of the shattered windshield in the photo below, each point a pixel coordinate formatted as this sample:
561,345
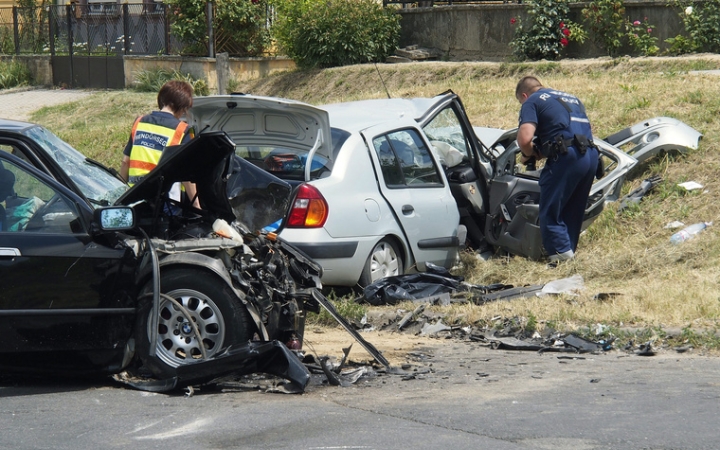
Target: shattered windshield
94,181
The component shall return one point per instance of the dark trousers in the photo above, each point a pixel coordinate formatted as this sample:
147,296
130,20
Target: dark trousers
565,184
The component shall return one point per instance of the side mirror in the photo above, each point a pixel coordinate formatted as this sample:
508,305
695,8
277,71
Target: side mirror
115,218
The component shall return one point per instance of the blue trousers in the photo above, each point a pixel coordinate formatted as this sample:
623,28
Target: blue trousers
565,184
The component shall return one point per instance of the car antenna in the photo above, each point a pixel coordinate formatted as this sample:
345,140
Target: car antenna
383,81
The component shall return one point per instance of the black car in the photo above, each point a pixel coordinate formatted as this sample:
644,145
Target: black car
99,277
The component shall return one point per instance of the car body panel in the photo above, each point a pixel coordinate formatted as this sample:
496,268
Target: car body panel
653,136
265,122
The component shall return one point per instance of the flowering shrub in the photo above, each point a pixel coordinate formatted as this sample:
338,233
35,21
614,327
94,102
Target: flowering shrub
546,32
640,37
701,21
605,19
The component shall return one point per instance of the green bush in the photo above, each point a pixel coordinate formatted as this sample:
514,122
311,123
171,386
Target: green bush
329,33
13,74
606,22
546,31
152,81
641,38
701,21
239,26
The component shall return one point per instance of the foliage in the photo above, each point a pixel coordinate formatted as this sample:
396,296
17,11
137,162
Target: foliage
152,81
33,17
700,22
328,33
238,24
7,46
605,19
546,32
14,73
640,37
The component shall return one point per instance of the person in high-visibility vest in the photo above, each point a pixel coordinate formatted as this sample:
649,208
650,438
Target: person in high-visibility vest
153,132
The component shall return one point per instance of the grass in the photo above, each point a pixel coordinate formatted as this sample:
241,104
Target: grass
657,285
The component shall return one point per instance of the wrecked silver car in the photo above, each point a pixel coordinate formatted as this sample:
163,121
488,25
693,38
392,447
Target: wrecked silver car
99,278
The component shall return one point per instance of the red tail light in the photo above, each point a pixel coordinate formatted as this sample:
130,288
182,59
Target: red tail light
310,209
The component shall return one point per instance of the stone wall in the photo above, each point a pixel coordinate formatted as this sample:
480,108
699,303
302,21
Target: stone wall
484,32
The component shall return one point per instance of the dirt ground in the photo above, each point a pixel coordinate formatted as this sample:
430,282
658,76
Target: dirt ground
327,341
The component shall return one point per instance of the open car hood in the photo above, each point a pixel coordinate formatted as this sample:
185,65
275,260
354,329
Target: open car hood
228,187
203,161
264,121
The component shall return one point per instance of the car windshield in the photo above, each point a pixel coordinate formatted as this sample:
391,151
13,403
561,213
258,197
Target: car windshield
94,181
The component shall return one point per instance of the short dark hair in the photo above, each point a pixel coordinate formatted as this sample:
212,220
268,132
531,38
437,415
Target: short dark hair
177,95
527,85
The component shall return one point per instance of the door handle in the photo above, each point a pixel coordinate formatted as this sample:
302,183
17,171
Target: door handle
9,252
408,209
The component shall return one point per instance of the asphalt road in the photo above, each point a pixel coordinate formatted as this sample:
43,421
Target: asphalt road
456,395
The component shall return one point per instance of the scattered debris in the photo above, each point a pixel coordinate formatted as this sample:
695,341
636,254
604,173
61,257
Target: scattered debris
415,53
690,185
636,195
674,224
568,286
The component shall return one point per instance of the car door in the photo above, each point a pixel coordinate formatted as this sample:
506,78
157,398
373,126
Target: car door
64,295
411,181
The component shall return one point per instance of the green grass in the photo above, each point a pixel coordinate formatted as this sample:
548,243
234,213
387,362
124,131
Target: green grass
659,285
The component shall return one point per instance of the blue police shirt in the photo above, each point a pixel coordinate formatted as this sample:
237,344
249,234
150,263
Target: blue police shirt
544,110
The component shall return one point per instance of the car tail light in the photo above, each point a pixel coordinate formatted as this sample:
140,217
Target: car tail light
310,210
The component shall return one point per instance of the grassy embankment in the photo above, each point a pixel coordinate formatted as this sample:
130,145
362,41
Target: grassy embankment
659,286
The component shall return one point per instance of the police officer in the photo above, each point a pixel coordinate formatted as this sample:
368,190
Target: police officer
553,125
153,132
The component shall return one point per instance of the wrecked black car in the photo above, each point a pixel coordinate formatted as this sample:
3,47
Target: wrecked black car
101,278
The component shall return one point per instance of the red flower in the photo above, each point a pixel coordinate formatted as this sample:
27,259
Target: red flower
562,24
566,31
649,30
564,42
513,21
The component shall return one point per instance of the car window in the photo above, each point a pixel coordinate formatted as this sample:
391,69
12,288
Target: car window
289,163
445,130
30,205
405,160
96,183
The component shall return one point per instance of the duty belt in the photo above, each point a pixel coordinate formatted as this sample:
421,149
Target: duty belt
559,145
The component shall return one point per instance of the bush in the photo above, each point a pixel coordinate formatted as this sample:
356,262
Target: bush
239,26
606,21
13,74
152,81
328,33
546,31
700,20
641,39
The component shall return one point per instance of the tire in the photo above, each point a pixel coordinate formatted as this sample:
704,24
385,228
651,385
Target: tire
384,261
220,318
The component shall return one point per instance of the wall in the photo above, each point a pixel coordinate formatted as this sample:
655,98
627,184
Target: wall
39,65
240,68
484,32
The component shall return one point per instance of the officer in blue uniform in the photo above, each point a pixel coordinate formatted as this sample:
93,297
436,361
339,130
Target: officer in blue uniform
553,125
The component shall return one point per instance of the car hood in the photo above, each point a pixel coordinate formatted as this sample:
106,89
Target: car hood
228,187
204,161
264,121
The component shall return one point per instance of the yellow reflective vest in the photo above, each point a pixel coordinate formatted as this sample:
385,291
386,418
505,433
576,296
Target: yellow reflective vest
149,140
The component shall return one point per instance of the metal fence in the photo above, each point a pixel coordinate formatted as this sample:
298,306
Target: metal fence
101,29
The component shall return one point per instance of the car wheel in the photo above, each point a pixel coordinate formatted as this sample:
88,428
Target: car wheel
214,308
384,261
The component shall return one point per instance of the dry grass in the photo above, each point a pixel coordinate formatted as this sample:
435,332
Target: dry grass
658,284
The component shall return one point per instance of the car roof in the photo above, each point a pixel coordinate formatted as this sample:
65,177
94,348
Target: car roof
359,115
15,125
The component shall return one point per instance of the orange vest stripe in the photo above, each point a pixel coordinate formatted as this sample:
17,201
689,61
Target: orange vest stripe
178,135
143,165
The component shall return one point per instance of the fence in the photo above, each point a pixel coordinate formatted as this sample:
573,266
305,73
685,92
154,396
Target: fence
108,29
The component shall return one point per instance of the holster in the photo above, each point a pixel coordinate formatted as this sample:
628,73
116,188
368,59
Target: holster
559,145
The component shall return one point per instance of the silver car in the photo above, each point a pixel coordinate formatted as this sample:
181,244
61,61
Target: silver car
370,197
